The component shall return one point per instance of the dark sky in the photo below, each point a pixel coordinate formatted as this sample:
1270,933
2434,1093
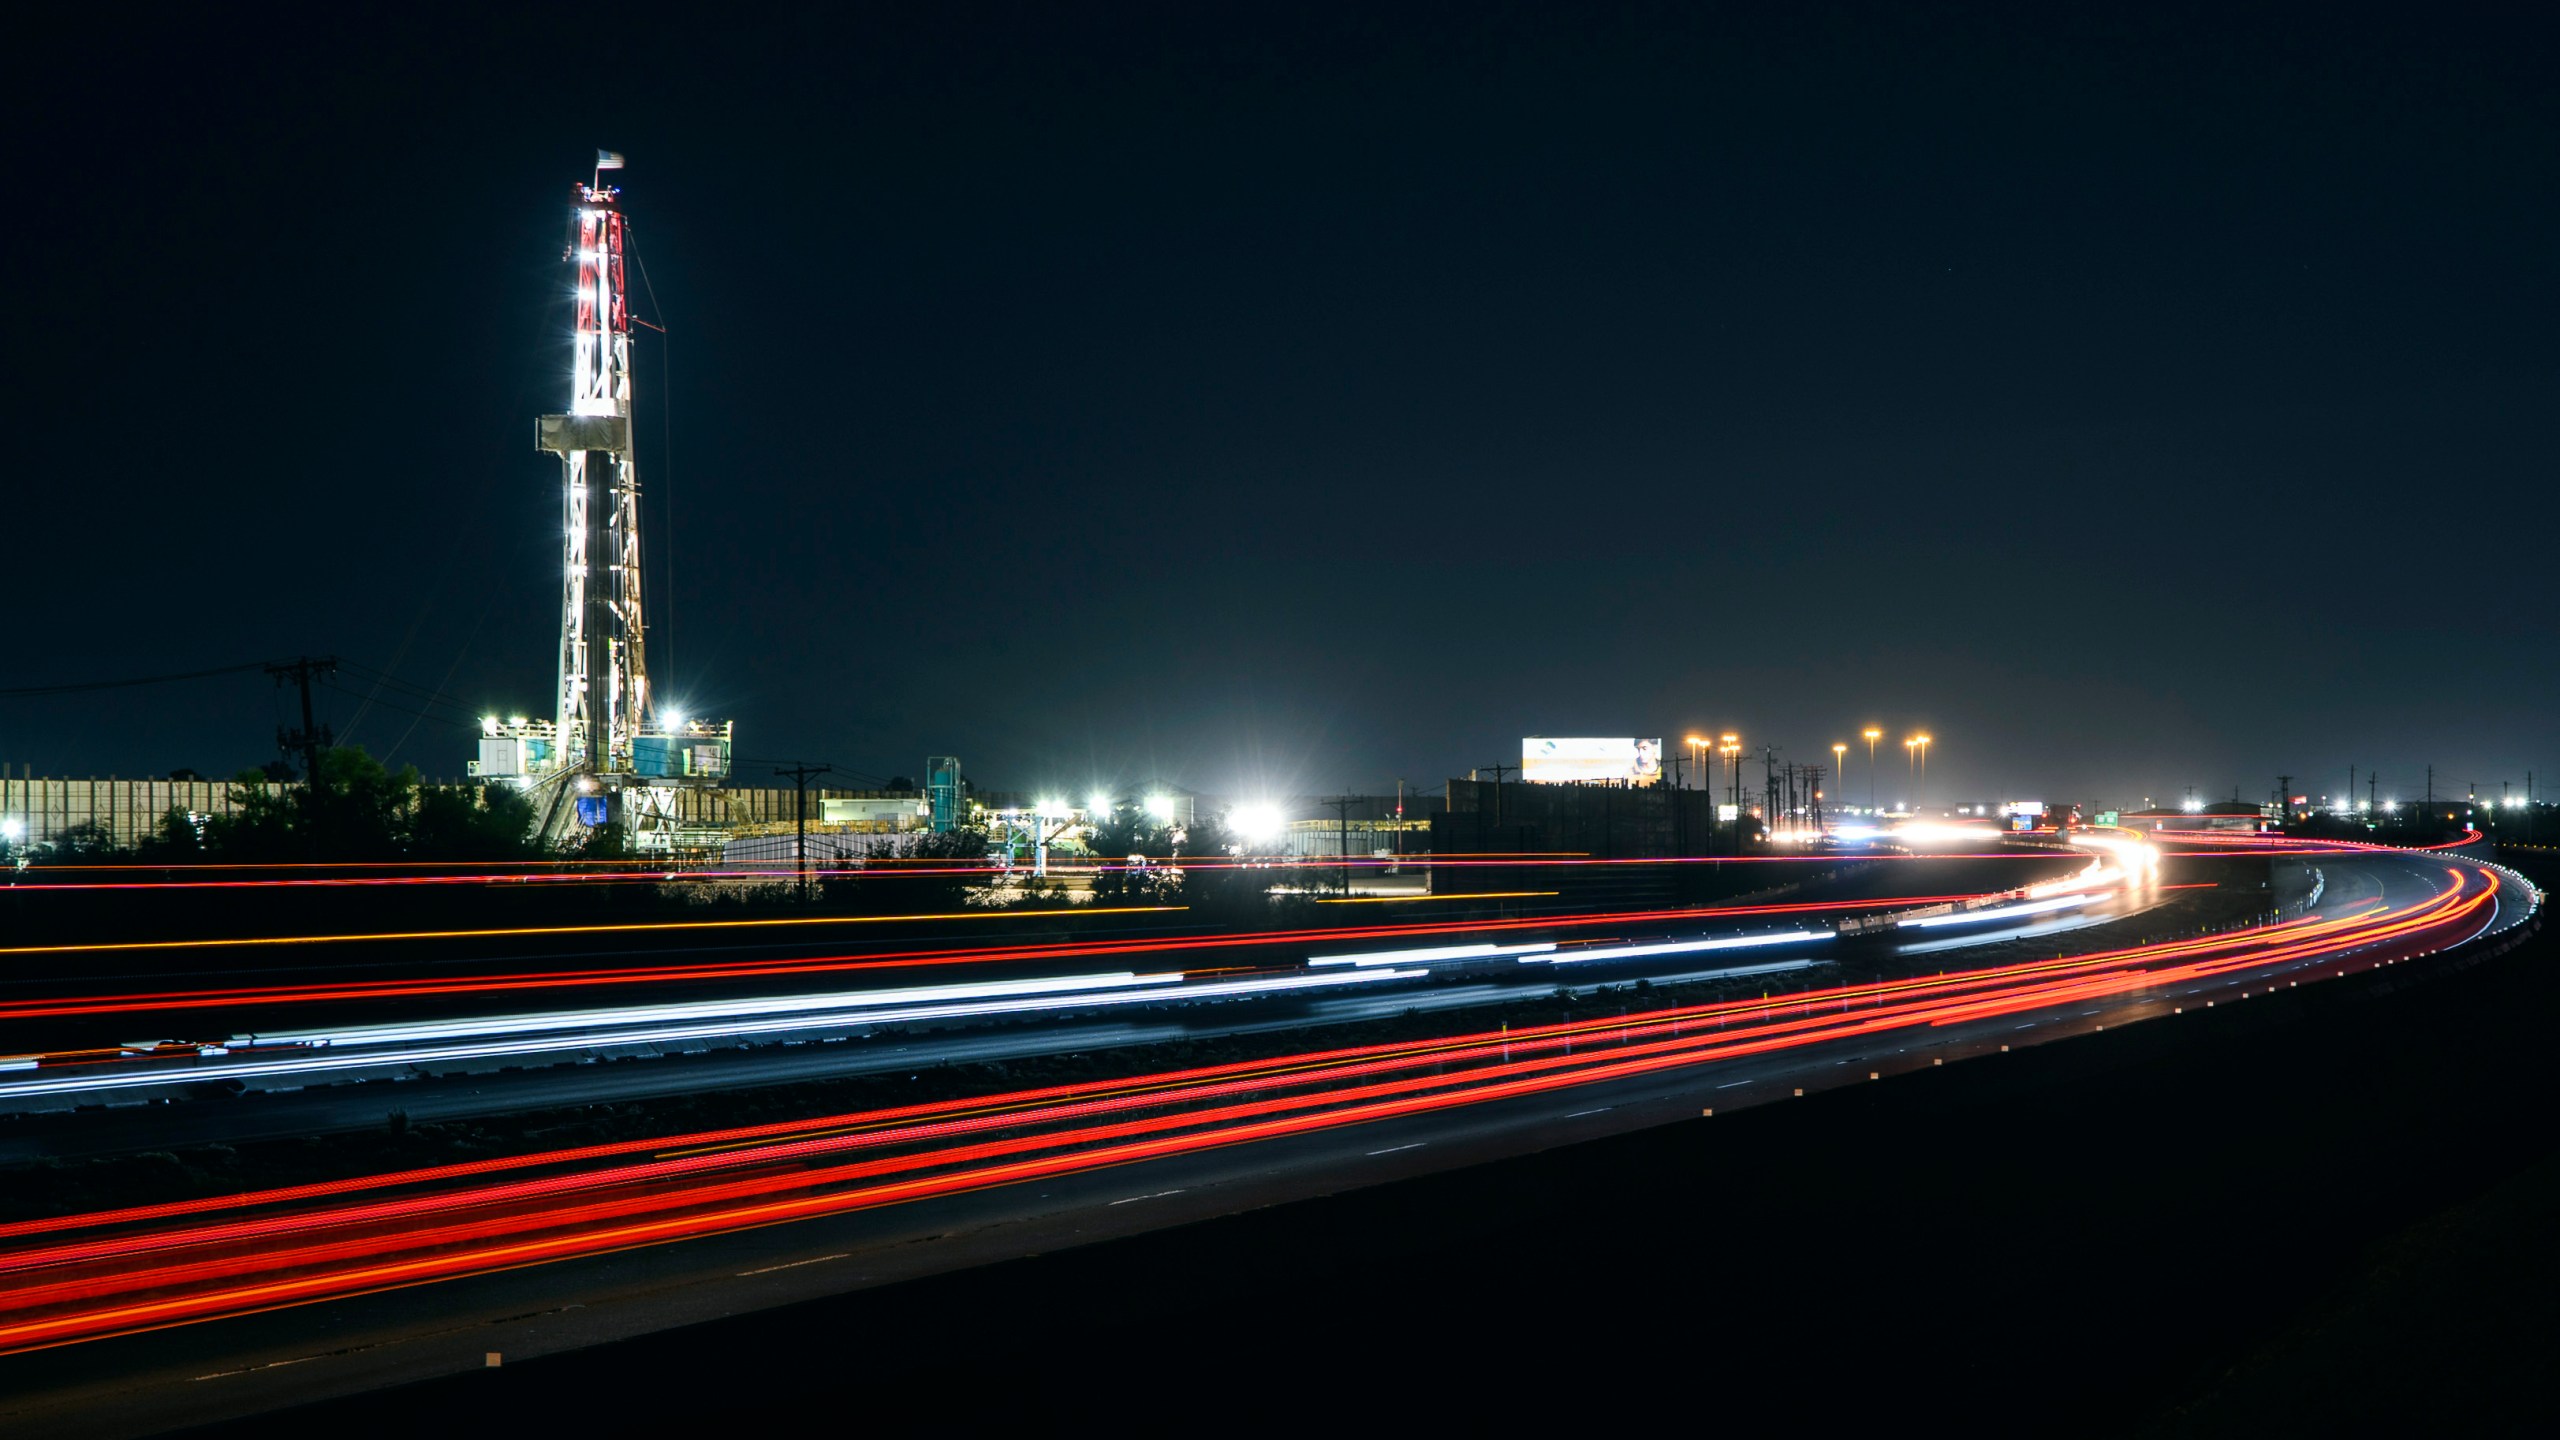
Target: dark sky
1307,399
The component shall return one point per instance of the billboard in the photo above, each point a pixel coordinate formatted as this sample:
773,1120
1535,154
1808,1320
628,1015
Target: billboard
1551,760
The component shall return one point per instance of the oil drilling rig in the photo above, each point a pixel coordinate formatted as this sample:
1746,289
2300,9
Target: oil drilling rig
603,756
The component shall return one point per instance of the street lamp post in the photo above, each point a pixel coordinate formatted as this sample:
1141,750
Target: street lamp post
1911,773
1840,765
1922,741
1733,772
1873,733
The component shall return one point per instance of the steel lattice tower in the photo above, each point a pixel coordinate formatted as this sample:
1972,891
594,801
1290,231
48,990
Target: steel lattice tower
604,677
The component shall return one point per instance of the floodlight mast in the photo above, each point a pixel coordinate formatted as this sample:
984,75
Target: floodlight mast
604,678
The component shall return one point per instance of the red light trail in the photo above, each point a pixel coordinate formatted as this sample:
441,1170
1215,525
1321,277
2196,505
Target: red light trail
77,1278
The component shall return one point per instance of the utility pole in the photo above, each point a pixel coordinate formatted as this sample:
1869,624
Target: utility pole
1498,772
801,775
2431,787
1769,788
310,739
1342,818
2372,787
2284,799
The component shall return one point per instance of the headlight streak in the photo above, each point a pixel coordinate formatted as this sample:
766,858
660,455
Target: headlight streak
1996,912
1443,952
335,1256
1680,947
332,1058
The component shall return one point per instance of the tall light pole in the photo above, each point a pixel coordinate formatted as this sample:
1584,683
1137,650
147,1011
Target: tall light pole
1697,760
1911,772
1873,733
1922,741
1733,773
1839,761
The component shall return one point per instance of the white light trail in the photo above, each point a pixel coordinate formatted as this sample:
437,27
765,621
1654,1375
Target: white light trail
533,1023
1682,947
1442,952
344,1058
1998,912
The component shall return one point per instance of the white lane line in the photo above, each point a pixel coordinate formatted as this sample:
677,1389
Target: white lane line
1134,1199
2030,1025
1578,1114
2090,1012
792,1265
1731,1083
1390,1150
254,1369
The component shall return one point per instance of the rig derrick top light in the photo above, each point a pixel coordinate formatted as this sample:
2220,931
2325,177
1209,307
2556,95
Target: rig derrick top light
604,676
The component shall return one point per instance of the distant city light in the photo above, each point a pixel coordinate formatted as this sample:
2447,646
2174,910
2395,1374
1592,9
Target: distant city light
1259,824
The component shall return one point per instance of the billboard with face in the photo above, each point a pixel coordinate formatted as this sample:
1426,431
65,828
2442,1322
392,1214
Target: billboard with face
1553,760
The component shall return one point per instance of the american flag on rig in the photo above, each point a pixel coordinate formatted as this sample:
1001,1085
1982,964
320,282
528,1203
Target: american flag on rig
608,159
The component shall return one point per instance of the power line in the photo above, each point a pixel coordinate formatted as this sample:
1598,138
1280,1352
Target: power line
32,690
801,775
665,578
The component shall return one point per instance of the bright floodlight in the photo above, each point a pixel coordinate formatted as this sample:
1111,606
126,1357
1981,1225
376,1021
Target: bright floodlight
1160,806
1053,807
11,829
1098,803
675,722
1260,824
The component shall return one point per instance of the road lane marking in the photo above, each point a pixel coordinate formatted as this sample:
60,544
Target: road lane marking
1390,1150
1731,1083
1578,1114
791,1265
1134,1199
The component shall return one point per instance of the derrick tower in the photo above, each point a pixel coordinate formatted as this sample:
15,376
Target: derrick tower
604,675
603,754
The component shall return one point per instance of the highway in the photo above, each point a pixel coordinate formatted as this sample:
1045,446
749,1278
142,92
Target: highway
303,1032
1340,975
778,1211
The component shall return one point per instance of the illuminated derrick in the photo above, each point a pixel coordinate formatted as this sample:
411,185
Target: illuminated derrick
603,746
604,676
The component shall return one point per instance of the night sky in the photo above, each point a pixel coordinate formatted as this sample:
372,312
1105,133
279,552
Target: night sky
1300,400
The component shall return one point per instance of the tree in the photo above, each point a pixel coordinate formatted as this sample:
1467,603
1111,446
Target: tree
261,828
87,843
361,811
494,822
177,840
